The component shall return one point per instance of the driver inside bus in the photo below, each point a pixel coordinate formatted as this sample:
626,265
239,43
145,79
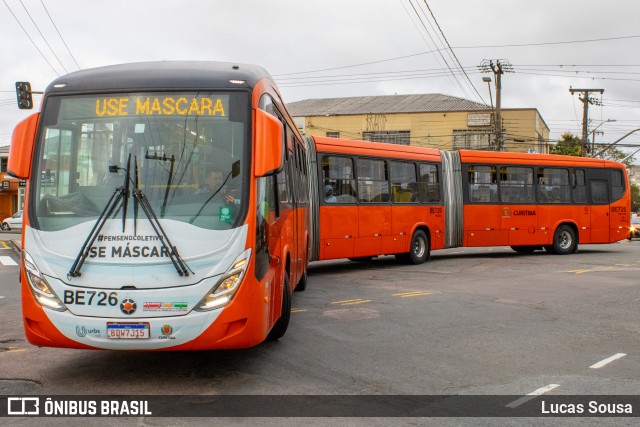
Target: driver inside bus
212,183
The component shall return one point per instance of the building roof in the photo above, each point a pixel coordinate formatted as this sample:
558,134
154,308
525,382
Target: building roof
4,151
420,103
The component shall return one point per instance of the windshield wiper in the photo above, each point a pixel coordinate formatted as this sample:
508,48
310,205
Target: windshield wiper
181,266
120,193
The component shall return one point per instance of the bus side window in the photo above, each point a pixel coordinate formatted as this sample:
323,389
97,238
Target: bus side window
599,193
337,173
373,184
617,185
578,186
429,185
483,184
404,187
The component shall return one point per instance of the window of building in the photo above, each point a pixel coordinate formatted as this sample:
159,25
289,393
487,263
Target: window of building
3,165
472,139
400,137
373,186
333,134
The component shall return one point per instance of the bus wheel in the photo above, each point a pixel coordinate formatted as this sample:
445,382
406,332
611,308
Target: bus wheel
564,240
302,284
419,252
282,323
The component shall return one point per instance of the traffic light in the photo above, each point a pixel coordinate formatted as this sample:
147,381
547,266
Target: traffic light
25,98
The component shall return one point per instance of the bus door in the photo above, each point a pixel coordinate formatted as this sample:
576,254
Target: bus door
374,212
599,193
483,215
519,212
338,206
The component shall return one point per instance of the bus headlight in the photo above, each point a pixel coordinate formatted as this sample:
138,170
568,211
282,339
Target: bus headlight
39,287
222,293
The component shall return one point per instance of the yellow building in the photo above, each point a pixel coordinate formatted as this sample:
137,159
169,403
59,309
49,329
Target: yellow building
427,120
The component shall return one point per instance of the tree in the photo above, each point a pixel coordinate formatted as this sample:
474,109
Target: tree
617,156
635,198
568,145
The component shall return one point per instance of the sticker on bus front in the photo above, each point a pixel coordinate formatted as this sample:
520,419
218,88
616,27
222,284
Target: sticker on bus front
122,330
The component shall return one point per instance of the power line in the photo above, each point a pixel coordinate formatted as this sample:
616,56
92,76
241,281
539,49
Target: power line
30,39
60,35
453,53
435,44
43,37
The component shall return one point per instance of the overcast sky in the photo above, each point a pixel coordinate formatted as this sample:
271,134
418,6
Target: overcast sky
354,47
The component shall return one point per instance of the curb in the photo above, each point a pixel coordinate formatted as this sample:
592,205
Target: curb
15,247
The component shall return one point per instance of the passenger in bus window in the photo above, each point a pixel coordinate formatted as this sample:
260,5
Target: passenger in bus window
328,194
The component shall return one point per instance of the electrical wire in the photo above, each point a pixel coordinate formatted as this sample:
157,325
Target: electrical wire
30,39
60,35
43,37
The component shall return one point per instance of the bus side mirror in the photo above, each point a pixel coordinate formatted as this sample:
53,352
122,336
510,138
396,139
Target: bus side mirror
21,150
269,144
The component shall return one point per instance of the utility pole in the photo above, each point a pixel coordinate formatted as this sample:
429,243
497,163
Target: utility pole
499,67
584,142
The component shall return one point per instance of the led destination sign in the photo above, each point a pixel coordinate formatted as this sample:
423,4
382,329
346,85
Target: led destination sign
146,105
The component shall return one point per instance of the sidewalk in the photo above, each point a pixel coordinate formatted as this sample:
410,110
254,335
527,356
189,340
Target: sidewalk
13,239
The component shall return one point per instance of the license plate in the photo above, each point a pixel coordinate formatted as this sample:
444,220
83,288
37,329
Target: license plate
132,331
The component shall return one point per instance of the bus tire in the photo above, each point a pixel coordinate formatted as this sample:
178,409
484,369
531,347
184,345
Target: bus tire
302,284
281,325
564,240
419,250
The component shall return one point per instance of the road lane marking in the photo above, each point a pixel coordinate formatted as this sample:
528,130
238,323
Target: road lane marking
7,260
352,301
532,395
4,245
298,310
578,271
412,294
608,360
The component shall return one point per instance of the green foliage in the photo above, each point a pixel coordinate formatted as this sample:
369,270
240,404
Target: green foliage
635,198
568,145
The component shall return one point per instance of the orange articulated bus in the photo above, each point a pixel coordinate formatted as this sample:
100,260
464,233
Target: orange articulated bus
377,199
166,209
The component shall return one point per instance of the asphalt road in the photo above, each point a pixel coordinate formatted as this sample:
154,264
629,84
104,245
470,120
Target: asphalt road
472,321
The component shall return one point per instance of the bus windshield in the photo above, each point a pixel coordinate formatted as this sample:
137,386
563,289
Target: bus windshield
185,151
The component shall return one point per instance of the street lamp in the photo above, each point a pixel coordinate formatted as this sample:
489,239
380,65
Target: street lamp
593,132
